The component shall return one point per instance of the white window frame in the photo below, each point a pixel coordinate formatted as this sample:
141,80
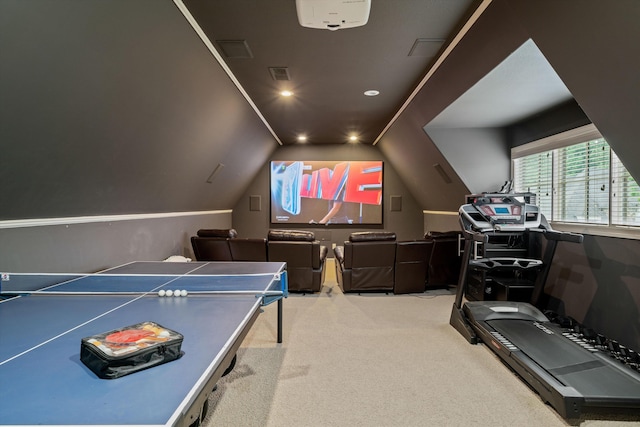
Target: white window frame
574,136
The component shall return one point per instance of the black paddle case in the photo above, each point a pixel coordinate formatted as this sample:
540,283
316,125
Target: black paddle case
123,351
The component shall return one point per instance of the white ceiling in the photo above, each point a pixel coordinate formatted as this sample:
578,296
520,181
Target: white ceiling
522,85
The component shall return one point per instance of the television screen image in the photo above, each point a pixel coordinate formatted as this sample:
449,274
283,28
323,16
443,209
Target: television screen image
326,192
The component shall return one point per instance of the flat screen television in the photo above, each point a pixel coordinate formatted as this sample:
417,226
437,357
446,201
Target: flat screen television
326,192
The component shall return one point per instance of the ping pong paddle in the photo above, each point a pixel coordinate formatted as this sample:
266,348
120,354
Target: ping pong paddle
128,336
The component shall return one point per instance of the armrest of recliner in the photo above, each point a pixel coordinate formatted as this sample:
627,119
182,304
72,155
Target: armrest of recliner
319,254
324,251
338,253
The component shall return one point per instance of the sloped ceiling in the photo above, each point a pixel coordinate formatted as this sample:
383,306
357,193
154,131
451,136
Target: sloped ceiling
330,70
117,107
469,131
522,85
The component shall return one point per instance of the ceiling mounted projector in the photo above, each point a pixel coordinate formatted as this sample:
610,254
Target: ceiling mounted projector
333,14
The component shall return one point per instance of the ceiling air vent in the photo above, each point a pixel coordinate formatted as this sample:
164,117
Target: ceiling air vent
426,47
235,49
279,73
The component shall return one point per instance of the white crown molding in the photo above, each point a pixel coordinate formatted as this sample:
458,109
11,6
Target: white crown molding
44,222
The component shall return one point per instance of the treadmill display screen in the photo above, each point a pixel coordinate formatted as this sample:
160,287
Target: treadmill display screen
502,211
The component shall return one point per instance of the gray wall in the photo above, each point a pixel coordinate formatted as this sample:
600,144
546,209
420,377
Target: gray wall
93,246
407,224
441,221
480,156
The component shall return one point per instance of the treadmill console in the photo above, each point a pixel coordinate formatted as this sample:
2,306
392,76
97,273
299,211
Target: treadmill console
500,212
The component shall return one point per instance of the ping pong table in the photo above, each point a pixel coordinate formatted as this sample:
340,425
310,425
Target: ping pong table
43,381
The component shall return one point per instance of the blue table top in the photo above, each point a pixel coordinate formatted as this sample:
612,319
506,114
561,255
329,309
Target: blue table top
43,381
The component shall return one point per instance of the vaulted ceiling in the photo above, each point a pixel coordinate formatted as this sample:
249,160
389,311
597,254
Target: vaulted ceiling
329,71
119,107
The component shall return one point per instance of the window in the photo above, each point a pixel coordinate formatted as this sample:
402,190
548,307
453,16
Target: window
625,195
581,190
578,179
533,174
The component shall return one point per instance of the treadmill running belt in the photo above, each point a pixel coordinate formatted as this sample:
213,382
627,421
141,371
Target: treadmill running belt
595,375
548,349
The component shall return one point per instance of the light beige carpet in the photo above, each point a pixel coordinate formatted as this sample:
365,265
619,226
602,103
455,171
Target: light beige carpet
374,360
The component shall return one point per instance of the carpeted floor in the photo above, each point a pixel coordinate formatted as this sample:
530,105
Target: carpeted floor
375,360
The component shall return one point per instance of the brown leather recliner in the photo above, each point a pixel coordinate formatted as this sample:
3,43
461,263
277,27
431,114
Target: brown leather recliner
412,266
248,249
366,262
213,244
445,261
304,255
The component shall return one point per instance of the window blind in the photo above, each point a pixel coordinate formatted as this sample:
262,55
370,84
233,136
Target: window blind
577,179
534,173
582,183
625,195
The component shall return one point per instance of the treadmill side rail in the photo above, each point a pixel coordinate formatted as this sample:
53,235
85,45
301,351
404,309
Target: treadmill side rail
567,401
459,322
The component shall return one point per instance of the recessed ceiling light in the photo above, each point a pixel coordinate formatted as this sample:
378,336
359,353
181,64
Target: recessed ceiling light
286,93
302,138
372,92
353,138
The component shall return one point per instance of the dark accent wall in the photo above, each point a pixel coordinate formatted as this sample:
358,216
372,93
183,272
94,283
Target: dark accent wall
116,107
493,37
591,44
598,284
407,223
559,119
108,108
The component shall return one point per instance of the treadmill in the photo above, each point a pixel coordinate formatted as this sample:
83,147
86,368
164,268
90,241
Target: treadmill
571,367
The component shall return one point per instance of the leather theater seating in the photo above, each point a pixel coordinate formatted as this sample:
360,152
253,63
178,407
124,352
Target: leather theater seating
366,262
225,245
370,261
213,244
445,260
248,249
374,261
412,266
430,263
304,255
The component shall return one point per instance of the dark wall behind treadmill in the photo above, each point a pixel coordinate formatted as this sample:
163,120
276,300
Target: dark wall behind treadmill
598,284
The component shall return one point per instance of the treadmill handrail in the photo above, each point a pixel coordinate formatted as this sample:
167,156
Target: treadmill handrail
563,236
551,234
473,235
